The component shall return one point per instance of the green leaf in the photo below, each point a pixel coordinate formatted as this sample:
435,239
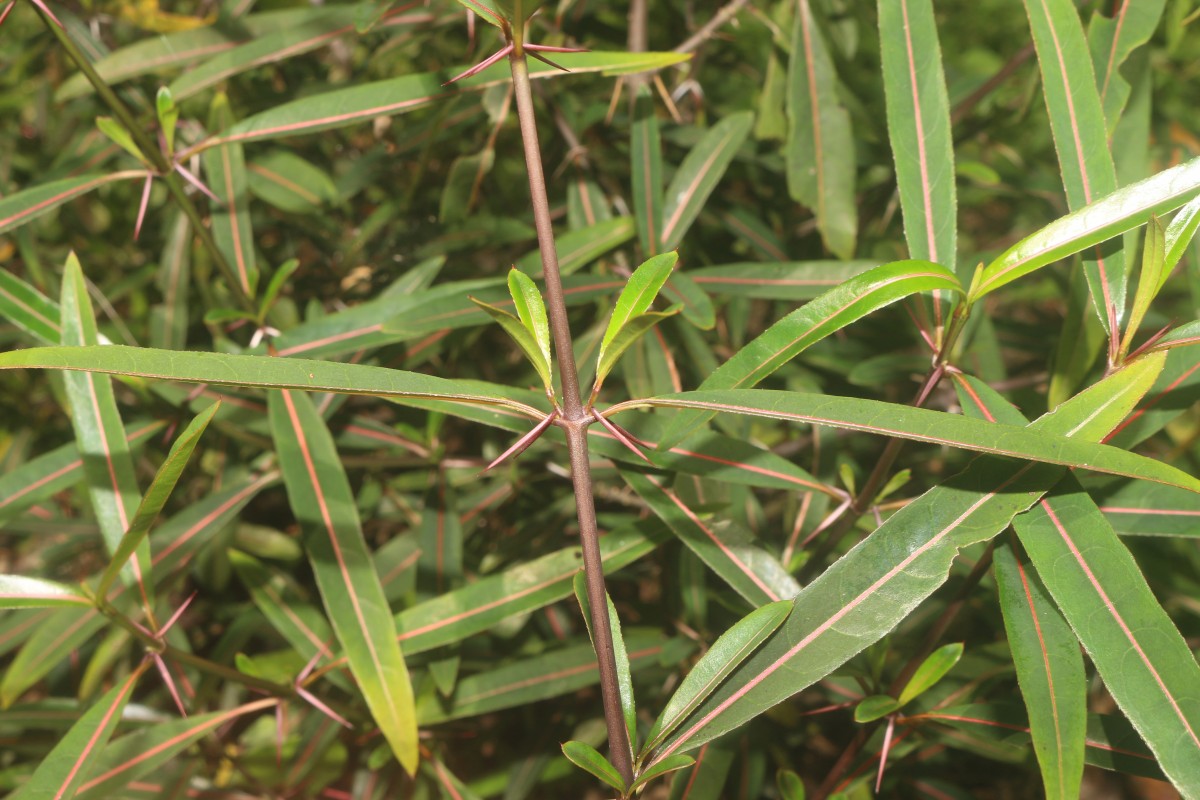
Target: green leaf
261,372
20,207
1144,661
279,279
588,759
169,320
918,116
875,707
639,292
225,168
524,338
1049,671
1150,279
667,765
579,248
168,116
785,280
1099,221
923,425
725,547
620,654
871,589
1136,508
119,136
633,330
1178,236
342,107
932,670
487,9
1111,40
531,310
290,183
699,174
517,11
29,309
729,650
323,503
696,305
18,591
99,433
820,146
812,322
790,786
138,754
1080,138
64,769
156,496
645,155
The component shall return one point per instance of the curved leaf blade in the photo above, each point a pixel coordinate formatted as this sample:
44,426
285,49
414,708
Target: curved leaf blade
28,204
531,310
19,591
626,338
323,503
698,175
645,153
521,334
225,168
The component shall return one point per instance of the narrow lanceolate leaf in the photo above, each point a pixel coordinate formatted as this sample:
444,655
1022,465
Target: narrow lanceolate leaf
20,207
525,340
924,425
225,168
1049,672
620,655
288,182
639,292
580,247
99,432
784,280
1179,235
832,311
1101,220
1080,137
626,338
1136,508
1150,279
156,496
918,114
260,372
1175,391
343,107
17,591
872,589
61,468
699,174
726,653
531,310
72,760
1144,661
169,320
126,759
820,145
645,155
323,502
1111,40
455,615
28,309
728,551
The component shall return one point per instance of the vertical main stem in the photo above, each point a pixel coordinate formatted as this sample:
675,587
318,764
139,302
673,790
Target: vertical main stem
575,421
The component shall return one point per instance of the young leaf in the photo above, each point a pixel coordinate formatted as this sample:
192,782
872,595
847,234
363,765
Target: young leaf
279,279
875,707
726,653
113,130
531,310
1150,279
667,765
699,174
638,294
1178,236
323,502
790,786
524,339
932,670
168,116
588,759
625,338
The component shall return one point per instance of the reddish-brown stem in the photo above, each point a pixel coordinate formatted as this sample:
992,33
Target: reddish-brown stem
575,421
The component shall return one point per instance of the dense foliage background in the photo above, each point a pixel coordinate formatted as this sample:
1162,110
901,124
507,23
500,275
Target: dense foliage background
392,221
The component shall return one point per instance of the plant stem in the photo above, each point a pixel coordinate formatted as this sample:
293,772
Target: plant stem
150,149
575,421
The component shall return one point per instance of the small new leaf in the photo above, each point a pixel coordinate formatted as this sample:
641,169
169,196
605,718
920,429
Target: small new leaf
120,137
589,759
524,339
517,11
874,707
1150,281
625,338
531,310
658,769
636,297
168,116
932,670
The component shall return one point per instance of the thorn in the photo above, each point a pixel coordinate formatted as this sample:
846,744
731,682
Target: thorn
176,615
523,443
482,65
883,754
620,436
832,518
1149,343
548,48
137,228
324,709
545,60
194,181
170,682
46,10
4,14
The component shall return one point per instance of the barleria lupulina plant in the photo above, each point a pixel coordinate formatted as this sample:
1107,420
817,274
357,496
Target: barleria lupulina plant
334,585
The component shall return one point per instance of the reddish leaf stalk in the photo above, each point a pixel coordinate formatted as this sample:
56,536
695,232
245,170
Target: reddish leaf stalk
574,421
